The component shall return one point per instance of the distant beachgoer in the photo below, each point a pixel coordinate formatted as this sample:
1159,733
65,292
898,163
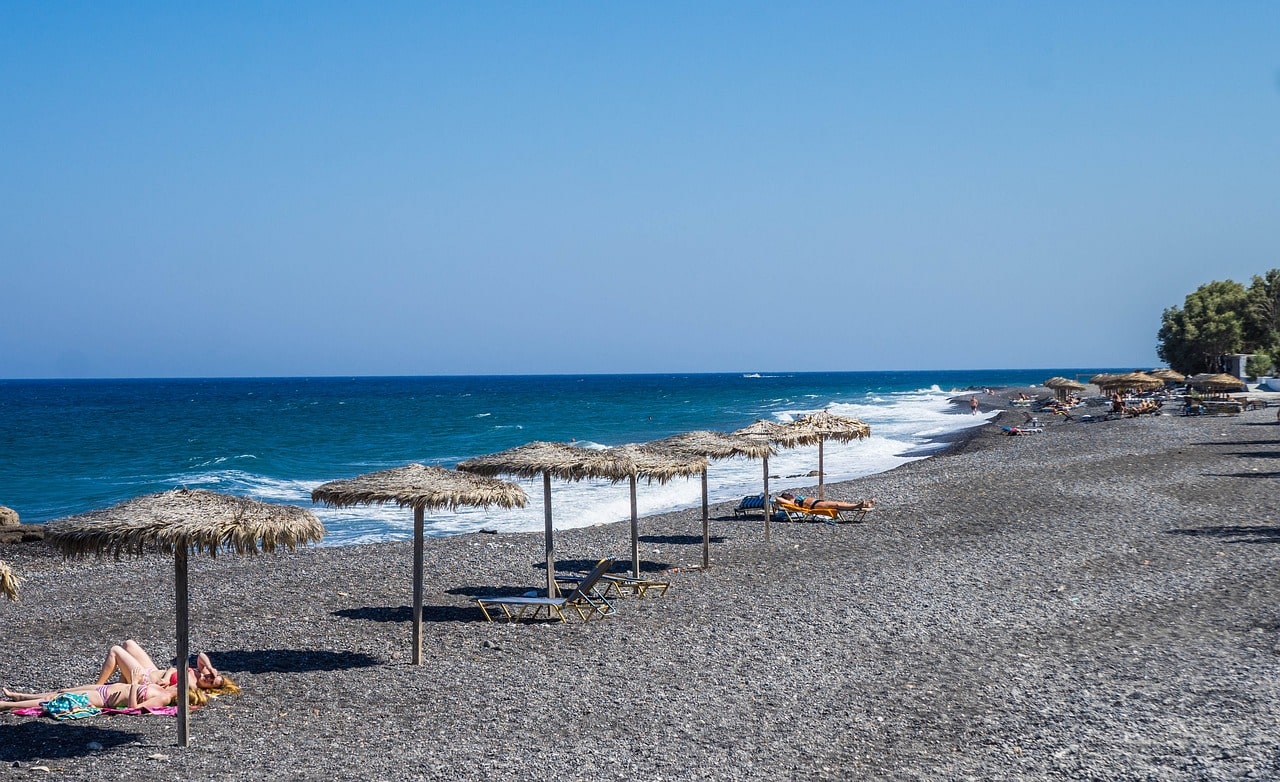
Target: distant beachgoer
973,405
131,656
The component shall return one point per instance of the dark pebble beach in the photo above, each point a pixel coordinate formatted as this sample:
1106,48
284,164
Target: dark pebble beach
1097,601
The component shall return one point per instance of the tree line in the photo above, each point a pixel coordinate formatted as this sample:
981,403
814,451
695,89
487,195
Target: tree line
1220,318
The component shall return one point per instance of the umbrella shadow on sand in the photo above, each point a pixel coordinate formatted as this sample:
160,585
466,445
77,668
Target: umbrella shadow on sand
620,566
293,660
1234,533
405,614
678,540
561,566
42,739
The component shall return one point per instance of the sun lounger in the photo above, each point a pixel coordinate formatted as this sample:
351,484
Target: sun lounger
585,600
794,512
618,584
750,502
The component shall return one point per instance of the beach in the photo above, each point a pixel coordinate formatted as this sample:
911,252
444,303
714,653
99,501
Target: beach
1094,602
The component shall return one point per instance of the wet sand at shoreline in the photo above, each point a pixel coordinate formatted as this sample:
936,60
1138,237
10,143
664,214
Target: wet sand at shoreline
1097,601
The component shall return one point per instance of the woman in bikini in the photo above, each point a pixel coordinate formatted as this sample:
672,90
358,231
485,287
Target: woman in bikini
810,503
121,695
131,656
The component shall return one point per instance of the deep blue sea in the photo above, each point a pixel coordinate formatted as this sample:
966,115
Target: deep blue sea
70,446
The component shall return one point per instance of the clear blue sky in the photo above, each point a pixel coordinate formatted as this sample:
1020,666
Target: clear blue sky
315,188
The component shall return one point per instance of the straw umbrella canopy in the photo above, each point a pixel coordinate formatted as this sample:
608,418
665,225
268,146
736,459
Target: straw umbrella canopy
1218,382
1139,380
1144,380
182,522
421,488
1168,375
551,460
783,436
1062,386
829,426
9,581
712,445
660,466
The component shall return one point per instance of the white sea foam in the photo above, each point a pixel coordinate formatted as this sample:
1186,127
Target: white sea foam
903,427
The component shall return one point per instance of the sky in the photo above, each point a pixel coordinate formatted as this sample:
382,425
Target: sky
418,188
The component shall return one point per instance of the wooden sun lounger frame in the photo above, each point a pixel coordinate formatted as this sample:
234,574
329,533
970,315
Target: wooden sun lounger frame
585,600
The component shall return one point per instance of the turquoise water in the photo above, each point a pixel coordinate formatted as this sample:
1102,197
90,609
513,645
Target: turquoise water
71,446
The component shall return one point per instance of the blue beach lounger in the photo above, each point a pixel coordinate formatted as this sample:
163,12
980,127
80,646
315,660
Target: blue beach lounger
750,502
583,599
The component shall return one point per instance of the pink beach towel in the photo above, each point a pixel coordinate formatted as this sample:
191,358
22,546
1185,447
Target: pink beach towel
36,711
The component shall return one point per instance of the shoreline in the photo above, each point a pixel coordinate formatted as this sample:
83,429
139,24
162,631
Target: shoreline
29,532
1096,601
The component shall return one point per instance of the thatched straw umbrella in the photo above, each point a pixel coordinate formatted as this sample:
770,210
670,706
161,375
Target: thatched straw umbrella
783,436
1168,375
182,522
1062,386
421,488
1143,380
9,581
713,445
551,460
1128,380
1218,383
660,466
829,426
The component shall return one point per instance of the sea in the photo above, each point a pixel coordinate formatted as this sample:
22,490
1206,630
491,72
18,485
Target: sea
71,446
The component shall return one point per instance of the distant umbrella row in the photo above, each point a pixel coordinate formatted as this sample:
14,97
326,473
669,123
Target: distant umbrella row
185,521
1158,378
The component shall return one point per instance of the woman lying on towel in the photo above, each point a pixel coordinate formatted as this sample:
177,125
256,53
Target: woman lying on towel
132,657
91,697
811,503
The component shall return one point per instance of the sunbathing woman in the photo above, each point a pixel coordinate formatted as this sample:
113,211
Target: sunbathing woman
120,695
132,656
810,503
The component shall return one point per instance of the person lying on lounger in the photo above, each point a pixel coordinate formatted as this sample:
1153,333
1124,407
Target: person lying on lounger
811,503
131,656
121,695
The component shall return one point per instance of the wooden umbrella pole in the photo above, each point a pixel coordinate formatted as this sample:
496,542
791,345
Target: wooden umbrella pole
706,528
551,549
766,499
418,514
821,472
635,532
180,598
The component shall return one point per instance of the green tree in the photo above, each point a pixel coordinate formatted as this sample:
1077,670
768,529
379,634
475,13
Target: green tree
1262,315
1258,364
1210,323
